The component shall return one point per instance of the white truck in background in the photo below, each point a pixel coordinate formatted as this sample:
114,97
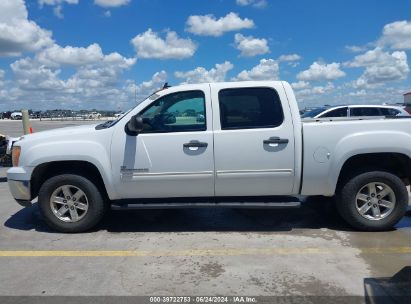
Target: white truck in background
250,149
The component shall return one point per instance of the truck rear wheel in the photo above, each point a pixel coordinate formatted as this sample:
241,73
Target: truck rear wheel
71,203
373,201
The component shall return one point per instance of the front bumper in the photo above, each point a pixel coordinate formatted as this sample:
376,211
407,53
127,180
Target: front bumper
20,191
18,179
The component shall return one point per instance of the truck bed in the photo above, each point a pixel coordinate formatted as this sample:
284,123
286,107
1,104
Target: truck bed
329,142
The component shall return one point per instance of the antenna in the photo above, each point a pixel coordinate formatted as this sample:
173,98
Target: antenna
166,86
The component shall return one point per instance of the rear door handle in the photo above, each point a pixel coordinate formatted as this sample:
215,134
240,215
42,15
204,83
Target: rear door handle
195,144
275,140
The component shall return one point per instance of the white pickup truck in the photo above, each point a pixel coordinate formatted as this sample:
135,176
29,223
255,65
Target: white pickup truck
237,144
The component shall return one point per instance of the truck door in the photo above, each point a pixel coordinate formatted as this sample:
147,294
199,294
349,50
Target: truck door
173,155
253,141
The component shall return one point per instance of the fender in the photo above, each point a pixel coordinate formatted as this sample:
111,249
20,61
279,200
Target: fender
45,153
363,143
77,146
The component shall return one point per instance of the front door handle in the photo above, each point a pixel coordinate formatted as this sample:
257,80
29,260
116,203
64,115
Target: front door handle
275,140
195,144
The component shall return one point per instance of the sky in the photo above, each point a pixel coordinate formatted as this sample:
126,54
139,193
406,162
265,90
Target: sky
110,54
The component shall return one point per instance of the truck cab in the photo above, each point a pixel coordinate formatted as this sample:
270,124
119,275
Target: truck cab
244,146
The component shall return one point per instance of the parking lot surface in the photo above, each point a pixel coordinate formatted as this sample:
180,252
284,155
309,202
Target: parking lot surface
15,127
306,251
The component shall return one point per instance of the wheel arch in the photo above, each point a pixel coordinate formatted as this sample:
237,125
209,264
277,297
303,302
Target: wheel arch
398,164
44,171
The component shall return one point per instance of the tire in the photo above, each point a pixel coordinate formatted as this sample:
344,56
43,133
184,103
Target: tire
90,207
349,204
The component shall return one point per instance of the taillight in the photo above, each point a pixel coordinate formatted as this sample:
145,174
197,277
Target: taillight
407,109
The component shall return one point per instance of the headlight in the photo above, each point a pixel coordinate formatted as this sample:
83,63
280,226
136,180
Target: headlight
15,155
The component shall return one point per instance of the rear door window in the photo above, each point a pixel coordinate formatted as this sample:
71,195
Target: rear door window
248,108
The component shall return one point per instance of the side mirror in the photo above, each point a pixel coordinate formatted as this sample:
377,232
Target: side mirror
135,125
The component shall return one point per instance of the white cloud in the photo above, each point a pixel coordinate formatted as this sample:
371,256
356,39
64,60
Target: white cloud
369,58
56,56
387,95
322,89
76,56
58,5
255,3
377,75
359,93
397,35
321,71
267,69
2,91
201,75
146,88
89,81
56,2
289,57
46,79
150,45
355,48
380,67
2,73
300,85
100,75
250,46
31,75
208,25
338,95
40,82
17,33
312,92
111,3
58,11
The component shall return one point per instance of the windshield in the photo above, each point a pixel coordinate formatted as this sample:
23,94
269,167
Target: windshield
313,113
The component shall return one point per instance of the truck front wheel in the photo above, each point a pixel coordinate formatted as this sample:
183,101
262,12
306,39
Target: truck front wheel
373,201
71,203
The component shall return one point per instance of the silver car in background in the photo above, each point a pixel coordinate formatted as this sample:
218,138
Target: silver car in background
356,111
